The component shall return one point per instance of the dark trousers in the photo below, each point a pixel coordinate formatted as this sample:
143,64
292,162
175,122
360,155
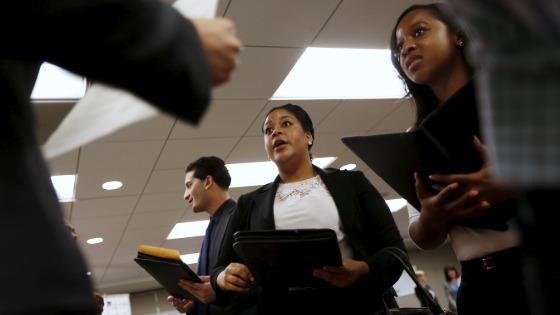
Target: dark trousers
318,301
539,218
493,286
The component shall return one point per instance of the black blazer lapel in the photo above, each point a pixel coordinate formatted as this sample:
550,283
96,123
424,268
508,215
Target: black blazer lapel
338,183
262,214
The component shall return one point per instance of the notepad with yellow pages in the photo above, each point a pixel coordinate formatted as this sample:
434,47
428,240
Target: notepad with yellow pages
167,268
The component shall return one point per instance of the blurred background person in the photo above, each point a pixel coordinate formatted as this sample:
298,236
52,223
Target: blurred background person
421,276
144,46
517,44
451,286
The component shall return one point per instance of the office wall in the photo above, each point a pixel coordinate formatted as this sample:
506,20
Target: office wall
432,262
149,303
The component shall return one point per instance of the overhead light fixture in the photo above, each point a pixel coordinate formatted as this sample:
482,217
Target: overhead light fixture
396,204
95,240
112,185
55,83
260,173
341,73
190,259
188,229
64,186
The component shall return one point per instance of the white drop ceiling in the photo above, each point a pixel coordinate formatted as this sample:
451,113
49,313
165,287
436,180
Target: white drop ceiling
150,157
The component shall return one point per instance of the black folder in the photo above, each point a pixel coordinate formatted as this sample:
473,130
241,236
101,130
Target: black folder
286,258
396,156
168,272
442,144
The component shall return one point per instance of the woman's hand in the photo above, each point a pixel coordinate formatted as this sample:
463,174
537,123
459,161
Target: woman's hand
451,202
484,182
236,277
346,275
181,305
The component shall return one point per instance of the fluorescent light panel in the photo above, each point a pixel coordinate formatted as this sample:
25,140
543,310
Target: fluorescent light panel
55,83
340,73
243,174
396,204
188,229
64,186
190,259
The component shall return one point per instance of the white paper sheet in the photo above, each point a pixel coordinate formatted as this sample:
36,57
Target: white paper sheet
105,109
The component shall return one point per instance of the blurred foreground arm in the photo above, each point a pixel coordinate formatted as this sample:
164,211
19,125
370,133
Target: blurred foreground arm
221,47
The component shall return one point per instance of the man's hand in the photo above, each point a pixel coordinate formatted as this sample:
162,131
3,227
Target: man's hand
100,302
202,291
181,305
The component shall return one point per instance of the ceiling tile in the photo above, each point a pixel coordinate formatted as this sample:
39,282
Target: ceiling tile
223,119
177,154
128,162
288,23
260,73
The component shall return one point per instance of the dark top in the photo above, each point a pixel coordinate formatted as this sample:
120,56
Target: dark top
455,123
422,296
369,226
221,218
145,46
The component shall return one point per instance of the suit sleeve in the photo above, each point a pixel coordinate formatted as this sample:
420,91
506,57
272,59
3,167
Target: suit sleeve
227,253
144,46
378,230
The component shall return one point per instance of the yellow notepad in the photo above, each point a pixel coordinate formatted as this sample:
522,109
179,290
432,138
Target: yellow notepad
167,268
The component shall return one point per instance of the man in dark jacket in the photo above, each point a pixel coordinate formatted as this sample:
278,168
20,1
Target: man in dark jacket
207,182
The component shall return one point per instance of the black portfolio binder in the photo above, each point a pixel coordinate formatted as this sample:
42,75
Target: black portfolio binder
286,258
442,144
396,156
167,272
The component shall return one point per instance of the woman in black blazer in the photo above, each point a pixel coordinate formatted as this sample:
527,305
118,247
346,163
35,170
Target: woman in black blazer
305,196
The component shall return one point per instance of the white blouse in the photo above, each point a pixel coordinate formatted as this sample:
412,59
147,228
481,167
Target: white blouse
309,205
469,243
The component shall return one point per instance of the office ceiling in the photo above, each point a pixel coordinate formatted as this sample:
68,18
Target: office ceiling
150,157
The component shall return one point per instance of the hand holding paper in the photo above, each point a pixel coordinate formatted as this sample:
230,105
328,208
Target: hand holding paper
112,109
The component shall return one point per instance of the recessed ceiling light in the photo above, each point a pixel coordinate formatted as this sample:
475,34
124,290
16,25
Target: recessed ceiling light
341,73
112,185
95,240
